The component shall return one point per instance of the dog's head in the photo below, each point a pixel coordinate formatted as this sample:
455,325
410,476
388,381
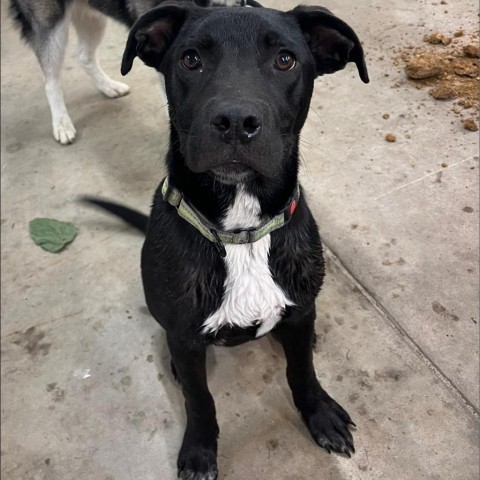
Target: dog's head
239,80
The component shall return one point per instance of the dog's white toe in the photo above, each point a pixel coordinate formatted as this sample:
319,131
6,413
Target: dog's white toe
64,131
114,89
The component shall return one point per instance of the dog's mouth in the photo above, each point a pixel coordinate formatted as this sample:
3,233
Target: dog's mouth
232,173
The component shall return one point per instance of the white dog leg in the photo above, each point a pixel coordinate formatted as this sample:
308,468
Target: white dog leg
90,26
50,53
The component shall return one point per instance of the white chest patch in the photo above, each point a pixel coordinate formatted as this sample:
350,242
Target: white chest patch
251,296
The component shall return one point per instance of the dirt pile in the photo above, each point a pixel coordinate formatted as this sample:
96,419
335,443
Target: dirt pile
448,67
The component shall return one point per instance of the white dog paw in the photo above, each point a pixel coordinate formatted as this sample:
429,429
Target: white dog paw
113,89
64,131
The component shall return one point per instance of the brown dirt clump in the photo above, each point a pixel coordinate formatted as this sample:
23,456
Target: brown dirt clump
423,66
438,38
442,92
469,124
390,137
448,70
466,69
471,50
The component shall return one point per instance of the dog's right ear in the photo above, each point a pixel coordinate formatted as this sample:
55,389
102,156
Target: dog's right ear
152,34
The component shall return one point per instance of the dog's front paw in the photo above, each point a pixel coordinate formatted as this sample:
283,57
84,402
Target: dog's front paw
113,89
197,463
329,424
63,130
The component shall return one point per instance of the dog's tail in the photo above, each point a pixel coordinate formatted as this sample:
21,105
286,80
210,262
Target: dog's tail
132,217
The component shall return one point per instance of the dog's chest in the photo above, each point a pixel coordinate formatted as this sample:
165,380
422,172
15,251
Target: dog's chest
251,297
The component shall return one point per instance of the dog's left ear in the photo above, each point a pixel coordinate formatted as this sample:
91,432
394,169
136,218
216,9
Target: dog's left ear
152,34
332,42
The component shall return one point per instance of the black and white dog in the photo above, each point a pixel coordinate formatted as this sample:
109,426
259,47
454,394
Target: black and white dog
45,24
232,251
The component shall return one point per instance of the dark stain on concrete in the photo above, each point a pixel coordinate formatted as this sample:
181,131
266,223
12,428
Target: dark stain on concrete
467,209
339,378
137,418
364,380
272,444
389,374
126,381
438,177
58,395
14,147
400,261
362,411
339,320
353,397
364,384
31,341
321,337
160,377
438,308
268,376
150,358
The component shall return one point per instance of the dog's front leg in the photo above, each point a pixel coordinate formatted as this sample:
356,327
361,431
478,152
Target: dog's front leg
198,456
327,421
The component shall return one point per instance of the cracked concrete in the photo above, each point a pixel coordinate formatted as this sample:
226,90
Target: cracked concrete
86,388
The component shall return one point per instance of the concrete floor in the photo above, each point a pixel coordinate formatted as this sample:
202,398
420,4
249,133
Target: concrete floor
86,388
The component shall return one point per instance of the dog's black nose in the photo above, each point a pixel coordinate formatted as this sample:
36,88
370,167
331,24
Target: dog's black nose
237,125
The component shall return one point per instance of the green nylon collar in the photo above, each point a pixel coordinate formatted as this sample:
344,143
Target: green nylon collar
175,198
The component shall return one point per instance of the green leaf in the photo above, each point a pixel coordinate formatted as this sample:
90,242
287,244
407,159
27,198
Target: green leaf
52,235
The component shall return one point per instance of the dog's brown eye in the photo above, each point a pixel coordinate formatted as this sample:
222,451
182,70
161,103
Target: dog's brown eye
285,61
191,60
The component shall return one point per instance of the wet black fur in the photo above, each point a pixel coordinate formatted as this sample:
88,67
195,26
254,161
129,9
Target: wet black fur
183,273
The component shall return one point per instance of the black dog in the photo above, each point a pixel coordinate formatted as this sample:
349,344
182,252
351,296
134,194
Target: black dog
232,250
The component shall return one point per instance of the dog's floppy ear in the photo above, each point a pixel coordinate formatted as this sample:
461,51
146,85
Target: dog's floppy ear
152,34
332,42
